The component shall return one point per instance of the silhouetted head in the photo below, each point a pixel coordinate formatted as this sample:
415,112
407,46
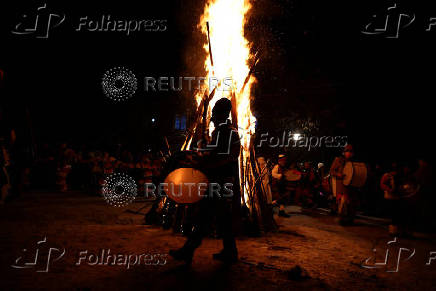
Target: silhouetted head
221,111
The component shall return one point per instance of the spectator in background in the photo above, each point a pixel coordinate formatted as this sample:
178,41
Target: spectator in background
307,184
145,173
346,196
4,174
279,184
127,162
389,186
63,169
426,198
7,139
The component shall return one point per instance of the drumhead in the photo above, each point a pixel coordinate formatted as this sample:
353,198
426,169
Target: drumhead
292,175
355,174
186,185
348,173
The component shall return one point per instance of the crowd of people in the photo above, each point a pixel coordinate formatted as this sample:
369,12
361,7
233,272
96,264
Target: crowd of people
401,192
86,169
64,167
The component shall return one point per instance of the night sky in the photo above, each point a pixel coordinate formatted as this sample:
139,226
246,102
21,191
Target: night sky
315,62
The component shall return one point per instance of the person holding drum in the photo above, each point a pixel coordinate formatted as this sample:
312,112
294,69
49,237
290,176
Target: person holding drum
220,164
346,196
399,186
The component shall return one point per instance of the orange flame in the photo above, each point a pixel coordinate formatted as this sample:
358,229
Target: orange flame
230,54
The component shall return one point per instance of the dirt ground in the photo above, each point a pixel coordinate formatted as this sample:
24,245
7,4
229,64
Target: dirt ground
309,251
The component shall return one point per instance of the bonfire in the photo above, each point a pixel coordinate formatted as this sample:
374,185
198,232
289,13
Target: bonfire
229,65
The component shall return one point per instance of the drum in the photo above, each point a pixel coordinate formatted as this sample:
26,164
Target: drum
408,189
292,175
185,183
355,174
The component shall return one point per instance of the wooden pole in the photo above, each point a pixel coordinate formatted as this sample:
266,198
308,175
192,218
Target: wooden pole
256,60
210,46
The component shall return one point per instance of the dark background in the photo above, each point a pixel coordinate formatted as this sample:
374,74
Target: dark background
315,65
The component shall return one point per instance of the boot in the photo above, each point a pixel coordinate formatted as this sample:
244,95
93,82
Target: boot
227,257
182,254
282,213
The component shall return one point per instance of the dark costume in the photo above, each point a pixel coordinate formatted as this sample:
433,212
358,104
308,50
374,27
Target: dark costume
220,163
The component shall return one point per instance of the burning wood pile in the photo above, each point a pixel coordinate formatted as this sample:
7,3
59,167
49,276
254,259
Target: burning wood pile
229,60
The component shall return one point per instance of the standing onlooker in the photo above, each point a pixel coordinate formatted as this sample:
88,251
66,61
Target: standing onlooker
145,174
280,184
426,198
7,138
389,185
307,185
346,197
